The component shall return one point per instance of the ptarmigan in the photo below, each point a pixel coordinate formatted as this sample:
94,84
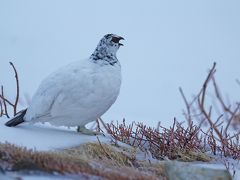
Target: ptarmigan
78,93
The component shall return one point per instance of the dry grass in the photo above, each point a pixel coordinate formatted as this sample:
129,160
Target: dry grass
103,153
72,161
112,157
17,158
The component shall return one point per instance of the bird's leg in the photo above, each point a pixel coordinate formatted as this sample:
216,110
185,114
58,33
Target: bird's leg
84,130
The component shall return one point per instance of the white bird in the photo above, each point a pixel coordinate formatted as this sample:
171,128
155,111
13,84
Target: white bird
78,93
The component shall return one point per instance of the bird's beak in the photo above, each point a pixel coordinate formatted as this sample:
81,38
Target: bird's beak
120,38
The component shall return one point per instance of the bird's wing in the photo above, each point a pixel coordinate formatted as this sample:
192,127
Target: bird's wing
43,99
55,87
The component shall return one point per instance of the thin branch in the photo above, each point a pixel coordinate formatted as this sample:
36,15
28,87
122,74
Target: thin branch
1,108
17,93
4,103
189,118
231,118
211,72
219,97
103,149
104,125
7,101
201,102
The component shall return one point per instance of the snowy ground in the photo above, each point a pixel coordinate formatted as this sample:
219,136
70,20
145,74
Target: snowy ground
43,137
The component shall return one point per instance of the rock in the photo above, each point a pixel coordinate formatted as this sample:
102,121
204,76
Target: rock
189,171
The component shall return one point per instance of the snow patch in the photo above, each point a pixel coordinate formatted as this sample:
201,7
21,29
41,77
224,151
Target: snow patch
44,137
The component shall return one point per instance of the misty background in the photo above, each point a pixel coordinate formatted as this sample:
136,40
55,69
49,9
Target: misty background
167,44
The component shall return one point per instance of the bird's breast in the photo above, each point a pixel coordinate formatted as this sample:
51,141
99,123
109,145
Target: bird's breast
92,93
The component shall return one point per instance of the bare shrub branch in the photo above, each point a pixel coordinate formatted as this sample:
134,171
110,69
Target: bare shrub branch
17,90
177,141
5,101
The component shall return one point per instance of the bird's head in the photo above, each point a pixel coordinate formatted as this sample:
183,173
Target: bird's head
107,48
110,43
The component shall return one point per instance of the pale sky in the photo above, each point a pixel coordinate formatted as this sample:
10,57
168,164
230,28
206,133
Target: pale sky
167,44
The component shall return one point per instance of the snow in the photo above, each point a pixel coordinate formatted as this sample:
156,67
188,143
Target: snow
44,137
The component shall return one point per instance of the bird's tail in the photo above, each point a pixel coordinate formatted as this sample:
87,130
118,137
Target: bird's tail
18,119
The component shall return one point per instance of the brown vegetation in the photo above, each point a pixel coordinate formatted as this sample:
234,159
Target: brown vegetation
178,142
17,159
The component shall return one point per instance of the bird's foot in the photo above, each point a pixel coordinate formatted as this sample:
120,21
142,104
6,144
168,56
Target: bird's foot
84,130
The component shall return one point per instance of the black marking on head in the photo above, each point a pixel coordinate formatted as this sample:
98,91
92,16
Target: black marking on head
108,35
106,50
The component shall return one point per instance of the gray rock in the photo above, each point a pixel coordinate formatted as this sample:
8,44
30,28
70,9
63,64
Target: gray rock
189,171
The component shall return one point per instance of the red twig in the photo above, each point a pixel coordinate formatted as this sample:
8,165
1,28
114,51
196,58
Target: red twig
17,92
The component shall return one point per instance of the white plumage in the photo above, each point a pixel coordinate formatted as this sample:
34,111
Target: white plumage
76,94
80,92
